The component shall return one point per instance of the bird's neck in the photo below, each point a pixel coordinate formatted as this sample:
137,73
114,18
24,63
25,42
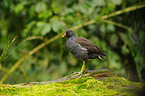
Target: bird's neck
72,37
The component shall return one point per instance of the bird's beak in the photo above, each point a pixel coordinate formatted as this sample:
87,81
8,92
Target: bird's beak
64,35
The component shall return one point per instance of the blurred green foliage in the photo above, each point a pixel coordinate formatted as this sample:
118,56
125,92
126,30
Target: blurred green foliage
47,18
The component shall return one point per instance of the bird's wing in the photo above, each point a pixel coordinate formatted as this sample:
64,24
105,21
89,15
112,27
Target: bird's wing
91,47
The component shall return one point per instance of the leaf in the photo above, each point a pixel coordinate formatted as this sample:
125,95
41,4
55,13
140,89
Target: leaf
113,39
98,3
46,14
38,29
32,11
19,7
54,18
69,18
110,8
46,29
110,27
31,24
117,2
102,28
56,7
68,10
125,38
40,23
124,49
56,26
40,7
29,27
82,8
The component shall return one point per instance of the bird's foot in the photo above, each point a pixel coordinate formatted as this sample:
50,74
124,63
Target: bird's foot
80,73
77,74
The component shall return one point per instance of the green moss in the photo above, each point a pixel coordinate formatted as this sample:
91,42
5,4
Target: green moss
80,86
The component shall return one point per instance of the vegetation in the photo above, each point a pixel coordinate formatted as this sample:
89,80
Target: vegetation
31,47
82,86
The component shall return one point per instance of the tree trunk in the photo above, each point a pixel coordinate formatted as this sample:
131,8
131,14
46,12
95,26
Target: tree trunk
130,68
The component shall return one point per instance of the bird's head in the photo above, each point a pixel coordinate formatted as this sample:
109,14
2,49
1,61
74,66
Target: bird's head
68,33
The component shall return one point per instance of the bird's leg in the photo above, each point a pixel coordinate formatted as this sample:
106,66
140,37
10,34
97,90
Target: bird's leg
82,70
83,67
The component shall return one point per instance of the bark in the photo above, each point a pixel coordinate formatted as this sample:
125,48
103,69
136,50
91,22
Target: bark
98,74
130,68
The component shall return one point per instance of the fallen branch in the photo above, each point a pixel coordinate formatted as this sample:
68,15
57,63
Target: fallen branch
98,74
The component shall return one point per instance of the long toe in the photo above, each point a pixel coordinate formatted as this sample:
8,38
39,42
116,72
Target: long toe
80,74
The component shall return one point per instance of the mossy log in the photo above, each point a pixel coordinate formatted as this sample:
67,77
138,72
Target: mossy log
92,83
98,74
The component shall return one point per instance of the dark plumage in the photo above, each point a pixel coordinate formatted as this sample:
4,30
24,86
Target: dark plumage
82,48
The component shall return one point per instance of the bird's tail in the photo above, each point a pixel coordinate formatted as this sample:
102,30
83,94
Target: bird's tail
100,57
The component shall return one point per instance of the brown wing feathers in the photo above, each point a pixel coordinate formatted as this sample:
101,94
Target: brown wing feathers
91,47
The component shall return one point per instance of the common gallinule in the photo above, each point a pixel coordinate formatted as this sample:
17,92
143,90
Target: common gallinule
82,48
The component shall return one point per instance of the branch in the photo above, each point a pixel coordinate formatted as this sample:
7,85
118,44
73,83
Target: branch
98,74
118,24
109,15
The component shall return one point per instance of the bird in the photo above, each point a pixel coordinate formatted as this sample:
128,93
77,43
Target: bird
82,48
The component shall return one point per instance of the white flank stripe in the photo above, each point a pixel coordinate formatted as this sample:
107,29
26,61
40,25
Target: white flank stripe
84,48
